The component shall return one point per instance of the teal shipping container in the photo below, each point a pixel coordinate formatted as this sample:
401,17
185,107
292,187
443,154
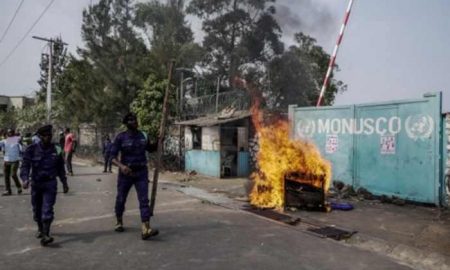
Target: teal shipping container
393,148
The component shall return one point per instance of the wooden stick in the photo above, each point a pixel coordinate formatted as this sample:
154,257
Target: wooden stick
161,140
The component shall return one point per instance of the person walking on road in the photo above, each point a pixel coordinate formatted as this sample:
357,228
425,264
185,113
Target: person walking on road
42,163
132,145
69,149
107,145
12,148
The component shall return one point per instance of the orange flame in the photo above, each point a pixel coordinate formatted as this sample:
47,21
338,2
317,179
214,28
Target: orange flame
279,156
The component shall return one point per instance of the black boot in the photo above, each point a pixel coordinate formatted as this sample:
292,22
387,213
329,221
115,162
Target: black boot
147,231
119,225
46,238
39,233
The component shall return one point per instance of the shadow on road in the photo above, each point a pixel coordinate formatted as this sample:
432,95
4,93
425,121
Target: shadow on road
90,174
87,237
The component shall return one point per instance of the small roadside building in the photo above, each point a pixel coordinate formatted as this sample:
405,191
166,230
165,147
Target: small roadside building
218,144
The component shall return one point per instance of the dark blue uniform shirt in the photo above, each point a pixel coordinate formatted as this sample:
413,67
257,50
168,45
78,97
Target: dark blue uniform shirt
107,147
45,164
132,147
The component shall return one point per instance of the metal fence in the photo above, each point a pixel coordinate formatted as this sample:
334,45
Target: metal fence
390,148
210,104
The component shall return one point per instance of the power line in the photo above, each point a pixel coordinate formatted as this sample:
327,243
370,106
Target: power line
12,20
26,34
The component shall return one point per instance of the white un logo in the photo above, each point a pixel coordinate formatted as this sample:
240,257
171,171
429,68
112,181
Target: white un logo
419,126
305,128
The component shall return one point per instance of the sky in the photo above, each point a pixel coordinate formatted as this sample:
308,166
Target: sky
391,49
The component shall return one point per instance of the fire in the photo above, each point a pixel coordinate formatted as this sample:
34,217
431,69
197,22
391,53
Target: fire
278,156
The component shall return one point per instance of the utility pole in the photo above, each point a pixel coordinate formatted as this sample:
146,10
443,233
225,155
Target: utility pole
181,92
49,80
217,93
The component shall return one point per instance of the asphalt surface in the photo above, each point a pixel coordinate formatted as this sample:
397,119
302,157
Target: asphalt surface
193,235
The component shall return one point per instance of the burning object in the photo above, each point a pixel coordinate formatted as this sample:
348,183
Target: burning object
289,172
305,192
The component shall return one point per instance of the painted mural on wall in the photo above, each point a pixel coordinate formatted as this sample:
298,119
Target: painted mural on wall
172,145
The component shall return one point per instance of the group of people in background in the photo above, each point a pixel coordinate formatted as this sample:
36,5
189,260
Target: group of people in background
14,146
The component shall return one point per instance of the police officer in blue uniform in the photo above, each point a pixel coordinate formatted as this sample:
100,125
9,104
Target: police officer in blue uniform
132,145
44,161
106,151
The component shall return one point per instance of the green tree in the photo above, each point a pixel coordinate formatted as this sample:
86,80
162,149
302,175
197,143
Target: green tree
32,117
116,52
82,97
318,61
169,35
8,119
238,32
149,102
296,76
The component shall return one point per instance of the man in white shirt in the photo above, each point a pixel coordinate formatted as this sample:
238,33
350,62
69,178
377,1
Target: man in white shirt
13,149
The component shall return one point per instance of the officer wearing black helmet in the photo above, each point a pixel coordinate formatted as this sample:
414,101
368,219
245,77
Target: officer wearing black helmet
42,163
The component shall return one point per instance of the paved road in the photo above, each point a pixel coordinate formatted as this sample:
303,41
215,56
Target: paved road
194,235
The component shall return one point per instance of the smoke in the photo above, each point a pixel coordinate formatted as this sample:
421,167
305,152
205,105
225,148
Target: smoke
313,17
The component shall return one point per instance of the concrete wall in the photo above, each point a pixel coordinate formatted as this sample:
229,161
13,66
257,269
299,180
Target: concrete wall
17,102
172,140
211,138
188,138
203,162
88,135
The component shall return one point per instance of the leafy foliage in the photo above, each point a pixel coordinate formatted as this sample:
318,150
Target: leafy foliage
148,104
8,119
169,35
115,51
82,97
127,47
317,60
237,32
31,118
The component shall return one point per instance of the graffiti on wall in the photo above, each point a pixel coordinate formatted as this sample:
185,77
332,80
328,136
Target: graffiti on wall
172,145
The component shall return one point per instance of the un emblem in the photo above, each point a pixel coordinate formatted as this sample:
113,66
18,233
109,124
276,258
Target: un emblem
305,128
419,126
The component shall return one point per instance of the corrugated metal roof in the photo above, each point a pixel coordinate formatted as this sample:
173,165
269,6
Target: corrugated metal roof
215,119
